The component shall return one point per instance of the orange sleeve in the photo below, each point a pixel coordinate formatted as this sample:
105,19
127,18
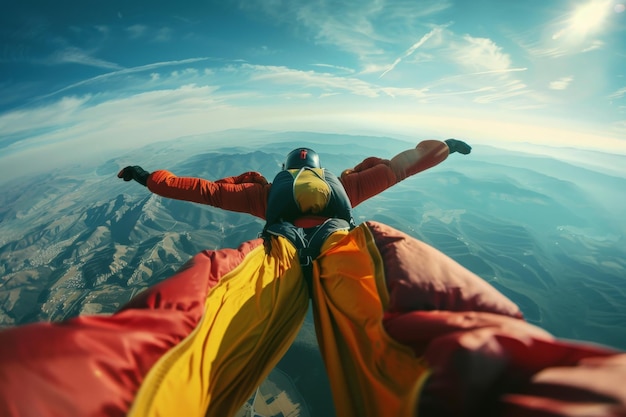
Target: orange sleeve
246,193
375,175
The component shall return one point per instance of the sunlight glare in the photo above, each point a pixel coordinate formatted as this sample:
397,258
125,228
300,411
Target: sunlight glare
589,17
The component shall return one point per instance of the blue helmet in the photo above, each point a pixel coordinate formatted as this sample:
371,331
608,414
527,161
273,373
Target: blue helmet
302,157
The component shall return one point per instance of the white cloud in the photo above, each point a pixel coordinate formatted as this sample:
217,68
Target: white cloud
310,79
561,83
262,51
481,54
41,119
185,72
366,29
163,35
505,91
593,45
73,55
105,30
395,92
179,98
136,31
125,71
336,67
618,94
481,69
499,71
80,128
373,68
65,128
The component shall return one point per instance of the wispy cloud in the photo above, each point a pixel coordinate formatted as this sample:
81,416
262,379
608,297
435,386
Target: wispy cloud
309,79
561,83
38,120
486,72
498,71
139,31
559,50
163,35
364,29
136,31
621,93
141,68
335,67
241,96
593,45
185,72
72,55
103,29
476,82
263,51
481,54
502,92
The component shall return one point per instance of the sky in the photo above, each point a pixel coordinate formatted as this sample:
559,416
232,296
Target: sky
85,79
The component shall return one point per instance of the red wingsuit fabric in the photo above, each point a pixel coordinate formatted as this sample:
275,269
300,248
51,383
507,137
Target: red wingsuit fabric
247,193
94,365
483,358
446,314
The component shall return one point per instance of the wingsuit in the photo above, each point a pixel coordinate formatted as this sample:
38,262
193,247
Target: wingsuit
403,329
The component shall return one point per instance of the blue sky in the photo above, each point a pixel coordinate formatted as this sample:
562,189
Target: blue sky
85,78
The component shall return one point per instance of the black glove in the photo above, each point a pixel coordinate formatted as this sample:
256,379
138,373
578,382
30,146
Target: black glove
136,173
458,146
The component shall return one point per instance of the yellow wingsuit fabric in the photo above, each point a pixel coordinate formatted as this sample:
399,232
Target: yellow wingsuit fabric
370,374
251,318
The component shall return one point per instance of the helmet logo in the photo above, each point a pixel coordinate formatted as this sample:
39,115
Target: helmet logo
302,157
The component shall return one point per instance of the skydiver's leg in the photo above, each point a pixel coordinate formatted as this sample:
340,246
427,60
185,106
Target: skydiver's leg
370,373
251,318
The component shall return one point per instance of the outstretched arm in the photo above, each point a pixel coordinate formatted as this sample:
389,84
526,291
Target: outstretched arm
246,193
374,175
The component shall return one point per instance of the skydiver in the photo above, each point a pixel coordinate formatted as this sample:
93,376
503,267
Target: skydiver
321,202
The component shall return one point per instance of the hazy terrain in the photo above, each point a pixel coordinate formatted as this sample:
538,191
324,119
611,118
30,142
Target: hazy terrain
547,233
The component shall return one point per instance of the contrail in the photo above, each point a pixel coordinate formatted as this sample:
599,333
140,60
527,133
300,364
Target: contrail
410,51
123,71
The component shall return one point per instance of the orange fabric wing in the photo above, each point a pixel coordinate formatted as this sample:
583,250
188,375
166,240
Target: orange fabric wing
426,154
370,374
246,193
362,185
375,175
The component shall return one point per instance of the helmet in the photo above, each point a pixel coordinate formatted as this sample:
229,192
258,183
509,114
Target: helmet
302,157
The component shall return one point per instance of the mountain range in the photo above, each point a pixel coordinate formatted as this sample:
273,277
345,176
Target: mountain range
544,231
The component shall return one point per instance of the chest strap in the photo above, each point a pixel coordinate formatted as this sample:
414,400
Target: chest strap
308,241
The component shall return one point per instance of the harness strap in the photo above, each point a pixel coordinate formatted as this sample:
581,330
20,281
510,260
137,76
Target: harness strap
308,241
